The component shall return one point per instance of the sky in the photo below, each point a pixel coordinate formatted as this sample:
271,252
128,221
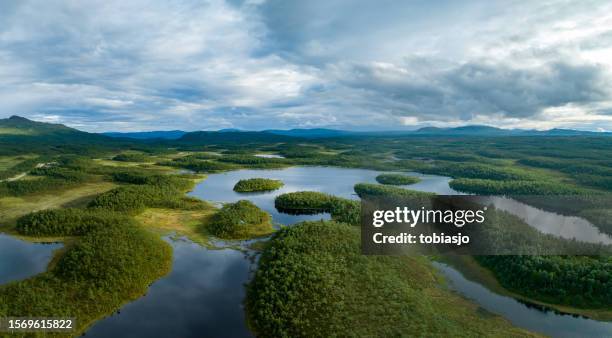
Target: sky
136,65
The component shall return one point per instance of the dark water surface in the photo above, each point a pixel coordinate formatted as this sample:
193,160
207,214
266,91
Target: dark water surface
21,259
203,295
533,318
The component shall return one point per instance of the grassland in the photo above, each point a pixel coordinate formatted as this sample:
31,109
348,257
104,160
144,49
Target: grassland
16,131
13,207
188,223
240,220
495,165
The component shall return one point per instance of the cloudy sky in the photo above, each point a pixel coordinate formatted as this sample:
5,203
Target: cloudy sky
350,64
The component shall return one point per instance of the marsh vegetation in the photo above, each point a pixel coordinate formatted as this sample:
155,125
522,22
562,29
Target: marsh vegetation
104,209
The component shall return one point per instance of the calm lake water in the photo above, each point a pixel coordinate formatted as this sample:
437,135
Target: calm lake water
201,297
21,259
203,294
269,155
529,317
194,297
568,227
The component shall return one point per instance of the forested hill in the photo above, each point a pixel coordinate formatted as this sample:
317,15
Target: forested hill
319,133
145,135
17,125
19,135
207,137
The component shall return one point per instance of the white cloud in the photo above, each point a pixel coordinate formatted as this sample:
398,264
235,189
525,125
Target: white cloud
146,64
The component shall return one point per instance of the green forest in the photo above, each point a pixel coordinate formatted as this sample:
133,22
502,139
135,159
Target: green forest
240,220
91,191
396,179
257,184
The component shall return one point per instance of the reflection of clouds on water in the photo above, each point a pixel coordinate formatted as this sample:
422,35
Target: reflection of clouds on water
21,259
535,318
551,223
201,296
269,156
335,181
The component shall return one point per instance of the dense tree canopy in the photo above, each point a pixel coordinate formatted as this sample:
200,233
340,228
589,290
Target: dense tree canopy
396,179
240,220
257,184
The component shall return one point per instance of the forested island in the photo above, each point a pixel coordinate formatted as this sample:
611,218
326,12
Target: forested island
257,185
110,199
396,179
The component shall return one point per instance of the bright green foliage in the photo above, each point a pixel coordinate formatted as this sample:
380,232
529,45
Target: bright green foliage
134,199
491,187
21,167
240,220
257,184
255,161
396,179
107,267
312,202
64,173
313,281
67,222
481,171
144,178
304,202
197,165
29,187
569,280
161,191
100,257
132,157
368,189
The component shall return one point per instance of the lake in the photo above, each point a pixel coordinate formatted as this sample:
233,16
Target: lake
533,318
21,259
198,297
202,296
204,292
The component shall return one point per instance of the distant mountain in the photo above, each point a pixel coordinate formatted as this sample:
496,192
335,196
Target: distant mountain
17,125
312,133
19,135
144,135
570,132
477,130
215,137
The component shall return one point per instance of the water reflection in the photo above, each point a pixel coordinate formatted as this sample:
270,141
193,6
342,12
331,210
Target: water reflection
203,294
530,316
569,227
201,297
335,181
21,259
269,156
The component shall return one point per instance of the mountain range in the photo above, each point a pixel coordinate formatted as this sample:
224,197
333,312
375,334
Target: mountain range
20,126
471,130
